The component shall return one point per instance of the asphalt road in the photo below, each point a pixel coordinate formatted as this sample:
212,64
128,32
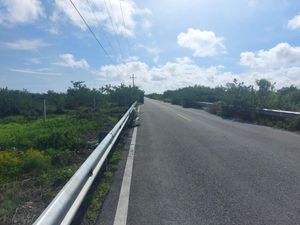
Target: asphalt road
191,167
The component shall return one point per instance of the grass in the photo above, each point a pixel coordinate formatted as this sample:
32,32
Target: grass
38,157
101,189
59,132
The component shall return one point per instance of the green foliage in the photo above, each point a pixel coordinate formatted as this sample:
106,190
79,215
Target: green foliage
30,105
189,95
239,100
61,132
63,174
236,95
124,95
10,163
61,157
35,161
13,163
116,156
45,154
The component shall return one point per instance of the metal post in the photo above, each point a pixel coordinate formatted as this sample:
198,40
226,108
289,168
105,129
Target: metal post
132,77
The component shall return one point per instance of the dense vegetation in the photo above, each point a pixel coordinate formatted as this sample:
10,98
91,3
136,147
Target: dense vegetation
37,156
30,105
239,100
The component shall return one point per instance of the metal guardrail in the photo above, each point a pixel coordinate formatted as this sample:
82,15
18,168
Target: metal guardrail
64,206
279,113
268,112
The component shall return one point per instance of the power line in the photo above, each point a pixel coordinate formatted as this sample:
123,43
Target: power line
94,35
104,34
113,25
89,28
124,24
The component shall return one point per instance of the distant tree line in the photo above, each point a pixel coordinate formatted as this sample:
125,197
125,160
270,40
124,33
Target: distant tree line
235,98
22,102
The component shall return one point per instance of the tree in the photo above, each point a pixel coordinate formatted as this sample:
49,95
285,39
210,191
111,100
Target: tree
266,96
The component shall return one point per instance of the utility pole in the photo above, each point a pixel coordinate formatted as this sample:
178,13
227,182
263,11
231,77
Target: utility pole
45,110
132,77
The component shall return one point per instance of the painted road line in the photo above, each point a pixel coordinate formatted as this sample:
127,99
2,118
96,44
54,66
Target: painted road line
184,117
122,208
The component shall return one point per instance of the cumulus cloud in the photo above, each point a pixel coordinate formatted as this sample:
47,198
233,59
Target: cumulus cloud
179,73
103,13
294,23
20,11
282,55
203,43
26,45
68,60
184,72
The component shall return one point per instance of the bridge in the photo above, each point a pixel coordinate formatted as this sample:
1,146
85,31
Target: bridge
186,166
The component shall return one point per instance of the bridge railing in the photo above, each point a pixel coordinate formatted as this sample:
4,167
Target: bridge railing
268,112
64,206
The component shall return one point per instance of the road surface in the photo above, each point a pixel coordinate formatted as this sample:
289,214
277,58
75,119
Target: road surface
191,167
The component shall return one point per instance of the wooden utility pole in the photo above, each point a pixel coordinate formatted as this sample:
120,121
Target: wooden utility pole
132,77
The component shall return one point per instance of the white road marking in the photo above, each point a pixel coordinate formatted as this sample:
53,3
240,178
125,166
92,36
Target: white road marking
183,117
122,208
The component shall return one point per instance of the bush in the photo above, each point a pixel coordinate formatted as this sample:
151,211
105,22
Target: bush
59,139
60,176
61,157
294,124
10,163
35,161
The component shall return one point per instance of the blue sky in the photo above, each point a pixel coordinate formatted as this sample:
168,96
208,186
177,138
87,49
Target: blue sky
167,44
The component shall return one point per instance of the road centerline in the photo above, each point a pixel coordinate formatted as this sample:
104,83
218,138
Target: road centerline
184,117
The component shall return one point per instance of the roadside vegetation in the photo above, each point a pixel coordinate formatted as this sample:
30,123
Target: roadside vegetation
237,100
38,156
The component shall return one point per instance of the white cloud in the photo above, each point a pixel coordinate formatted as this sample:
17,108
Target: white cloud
154,51
97,14
36,72
203,43
20,11
30,45
184,59
181,73
184,72
70,61
282,55
294,23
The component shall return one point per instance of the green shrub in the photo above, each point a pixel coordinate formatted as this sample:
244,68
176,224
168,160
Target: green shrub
116,156
10,163
35,161
59,139
62,175
294,124
60,157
